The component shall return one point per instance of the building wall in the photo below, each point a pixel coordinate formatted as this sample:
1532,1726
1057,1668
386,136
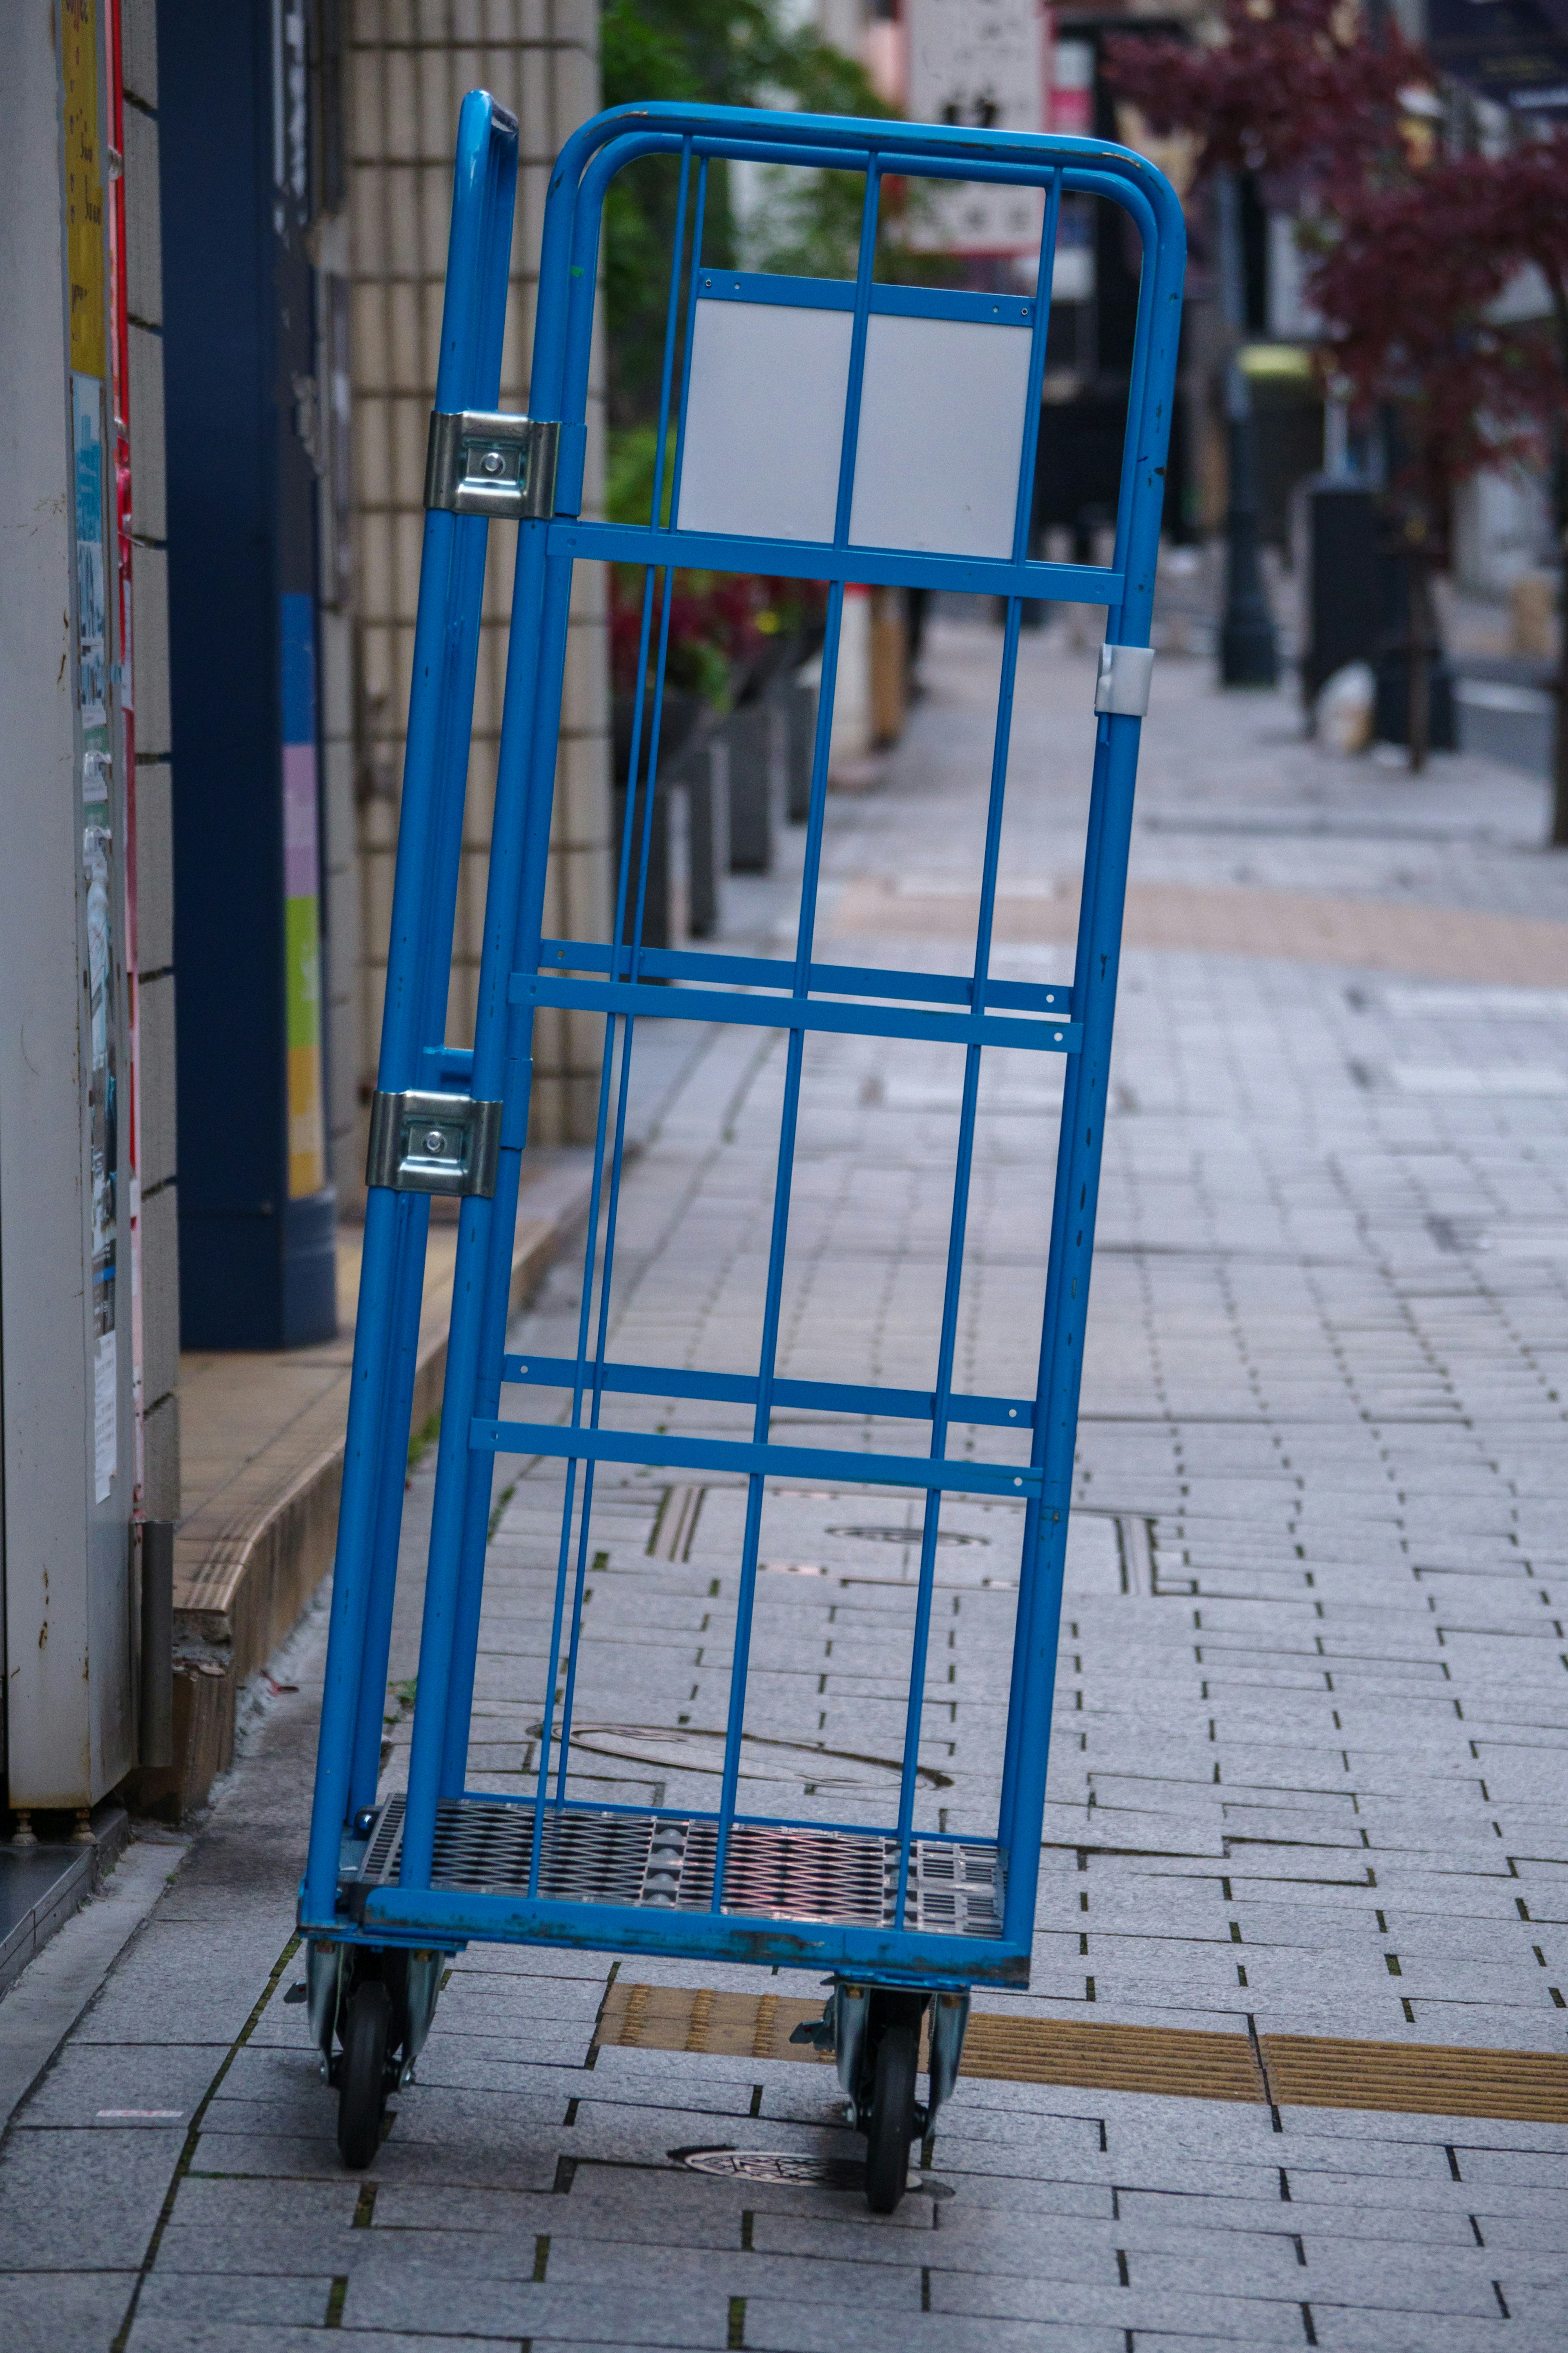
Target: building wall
154,833
1502,530
85,1062
409,67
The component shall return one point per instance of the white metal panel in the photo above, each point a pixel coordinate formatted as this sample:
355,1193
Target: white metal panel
764,420
941,435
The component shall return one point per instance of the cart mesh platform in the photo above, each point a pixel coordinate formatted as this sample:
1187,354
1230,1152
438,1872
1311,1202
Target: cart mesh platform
771,1871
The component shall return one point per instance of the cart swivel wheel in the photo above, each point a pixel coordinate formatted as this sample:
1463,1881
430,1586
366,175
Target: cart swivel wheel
362,2079
891,2125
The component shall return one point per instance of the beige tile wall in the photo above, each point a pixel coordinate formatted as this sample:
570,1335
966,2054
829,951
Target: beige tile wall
411,62
155,816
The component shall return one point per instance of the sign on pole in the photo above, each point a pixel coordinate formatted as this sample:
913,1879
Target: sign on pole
980,63
1513,51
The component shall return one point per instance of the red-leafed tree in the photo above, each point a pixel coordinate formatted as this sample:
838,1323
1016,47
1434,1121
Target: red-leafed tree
1408,248
1292,90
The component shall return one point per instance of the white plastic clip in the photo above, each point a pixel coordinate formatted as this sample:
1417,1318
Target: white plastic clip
1122,685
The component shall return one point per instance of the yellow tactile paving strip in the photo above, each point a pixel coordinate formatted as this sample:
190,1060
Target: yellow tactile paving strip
1422,2079
1293,2070
1297,926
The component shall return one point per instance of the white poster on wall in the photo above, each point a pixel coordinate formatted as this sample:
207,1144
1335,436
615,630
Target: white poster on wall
980,63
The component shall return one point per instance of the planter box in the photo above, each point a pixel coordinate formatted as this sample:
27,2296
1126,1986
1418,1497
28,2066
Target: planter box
661,925
755,736
707,789
799,701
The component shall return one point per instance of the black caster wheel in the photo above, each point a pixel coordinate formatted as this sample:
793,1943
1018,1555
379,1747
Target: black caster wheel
890,2127
362,2072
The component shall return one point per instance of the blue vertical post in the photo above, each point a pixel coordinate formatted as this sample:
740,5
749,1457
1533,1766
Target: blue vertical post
796,1050
520,845
257,1212
1086,1087
953,1278
429,841
617,1154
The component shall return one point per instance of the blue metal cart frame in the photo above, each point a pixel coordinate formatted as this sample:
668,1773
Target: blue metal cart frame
393,1884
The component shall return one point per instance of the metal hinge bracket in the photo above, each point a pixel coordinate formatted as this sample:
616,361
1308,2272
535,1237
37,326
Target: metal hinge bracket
483,462
426,1143
1122,686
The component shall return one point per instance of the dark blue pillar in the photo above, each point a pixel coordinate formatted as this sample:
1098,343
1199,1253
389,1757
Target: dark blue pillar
257,1208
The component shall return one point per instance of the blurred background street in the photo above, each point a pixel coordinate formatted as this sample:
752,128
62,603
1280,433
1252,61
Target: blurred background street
1292,2066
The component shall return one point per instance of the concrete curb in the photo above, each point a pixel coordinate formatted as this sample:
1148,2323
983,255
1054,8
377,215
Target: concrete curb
80,1872
38,2014
245,1574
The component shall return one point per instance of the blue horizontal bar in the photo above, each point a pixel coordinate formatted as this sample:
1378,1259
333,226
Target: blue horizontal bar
794,1013
837,979
889,301
914,1958
819,1463
809,559
741,1388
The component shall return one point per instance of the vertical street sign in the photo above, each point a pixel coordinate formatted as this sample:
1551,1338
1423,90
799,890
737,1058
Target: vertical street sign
980,63
1512,51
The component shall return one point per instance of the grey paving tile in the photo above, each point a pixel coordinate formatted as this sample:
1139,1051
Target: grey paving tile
63,2191
201,2333
63,2311
782,2328
172,2300
85,2079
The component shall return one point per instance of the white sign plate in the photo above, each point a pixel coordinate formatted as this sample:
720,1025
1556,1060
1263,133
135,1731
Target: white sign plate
941,436
980,63
765,421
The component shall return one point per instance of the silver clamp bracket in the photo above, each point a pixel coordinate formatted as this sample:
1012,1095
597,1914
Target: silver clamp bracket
483,462
1122,686
426,1143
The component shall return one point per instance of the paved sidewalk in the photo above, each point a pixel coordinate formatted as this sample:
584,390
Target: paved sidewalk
1308,1769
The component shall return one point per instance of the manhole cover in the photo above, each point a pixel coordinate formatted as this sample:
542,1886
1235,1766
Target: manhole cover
907,1535
817,2173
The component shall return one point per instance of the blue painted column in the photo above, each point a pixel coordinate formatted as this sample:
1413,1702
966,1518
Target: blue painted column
258,1213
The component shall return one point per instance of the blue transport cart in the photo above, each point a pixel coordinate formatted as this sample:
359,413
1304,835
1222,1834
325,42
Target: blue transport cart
843,431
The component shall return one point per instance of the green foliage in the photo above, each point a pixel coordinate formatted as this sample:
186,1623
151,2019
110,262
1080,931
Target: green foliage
629,460
810,227
712,53
719,53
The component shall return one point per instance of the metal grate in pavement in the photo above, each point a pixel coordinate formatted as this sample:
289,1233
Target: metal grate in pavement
483,1847
1299,2070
